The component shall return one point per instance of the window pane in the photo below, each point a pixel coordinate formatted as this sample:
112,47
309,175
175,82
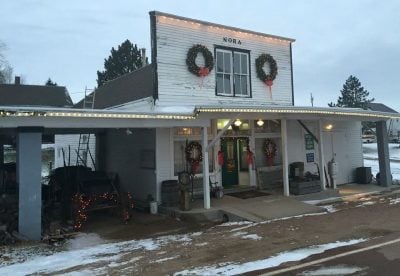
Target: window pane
236,63
220,61
237,85
244,58
227,84
244,85
220,83
227,62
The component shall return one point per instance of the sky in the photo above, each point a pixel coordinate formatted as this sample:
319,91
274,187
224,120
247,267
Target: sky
69,40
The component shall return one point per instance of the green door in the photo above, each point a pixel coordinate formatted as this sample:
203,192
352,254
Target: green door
230,174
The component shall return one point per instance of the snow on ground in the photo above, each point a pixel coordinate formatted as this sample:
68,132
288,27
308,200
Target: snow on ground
366,203
246,236
287,256
394,201
333,270
84,251
371,158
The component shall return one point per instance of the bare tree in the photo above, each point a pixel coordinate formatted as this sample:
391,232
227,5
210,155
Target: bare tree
6,71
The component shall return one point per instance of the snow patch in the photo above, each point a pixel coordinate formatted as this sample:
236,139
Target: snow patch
334,270
201,244
166,259
394,201
110,253
287,256
83,240
366,203
235,223
254,237
330,208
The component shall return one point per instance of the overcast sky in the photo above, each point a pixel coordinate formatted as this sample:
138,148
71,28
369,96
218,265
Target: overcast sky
68,40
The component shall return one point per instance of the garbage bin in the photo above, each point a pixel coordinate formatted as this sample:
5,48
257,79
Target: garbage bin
170,193
363,175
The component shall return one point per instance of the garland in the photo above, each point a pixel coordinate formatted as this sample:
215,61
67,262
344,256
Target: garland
270,148
191,60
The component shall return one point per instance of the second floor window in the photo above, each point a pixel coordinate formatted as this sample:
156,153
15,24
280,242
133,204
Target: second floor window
232,74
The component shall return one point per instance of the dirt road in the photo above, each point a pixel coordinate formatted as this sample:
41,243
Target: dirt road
235,243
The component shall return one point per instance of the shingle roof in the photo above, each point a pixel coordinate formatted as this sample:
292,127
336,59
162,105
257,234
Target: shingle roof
34,95
127,88
380,107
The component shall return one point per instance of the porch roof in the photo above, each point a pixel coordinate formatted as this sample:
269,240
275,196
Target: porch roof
301,112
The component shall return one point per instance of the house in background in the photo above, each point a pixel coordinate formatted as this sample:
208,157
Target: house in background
393,125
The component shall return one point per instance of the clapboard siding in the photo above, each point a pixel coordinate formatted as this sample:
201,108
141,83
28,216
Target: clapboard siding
344,139
70,143
176,85
124,157
164,155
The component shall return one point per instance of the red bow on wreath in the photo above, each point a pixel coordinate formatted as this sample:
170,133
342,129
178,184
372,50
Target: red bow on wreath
220,158
203,72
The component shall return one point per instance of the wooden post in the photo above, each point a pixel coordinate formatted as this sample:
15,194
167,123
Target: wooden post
321,159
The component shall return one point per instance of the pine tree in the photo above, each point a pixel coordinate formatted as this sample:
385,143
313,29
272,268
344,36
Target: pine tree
49,82
127,58
353,95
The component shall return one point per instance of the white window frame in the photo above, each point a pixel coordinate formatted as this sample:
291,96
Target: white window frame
232,73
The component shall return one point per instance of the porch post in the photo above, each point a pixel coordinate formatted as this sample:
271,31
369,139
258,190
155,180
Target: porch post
206,173
285,164
321,163
385,178
29,159
2,164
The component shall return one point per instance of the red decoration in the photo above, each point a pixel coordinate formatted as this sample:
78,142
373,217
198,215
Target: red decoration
221,158
250,157
195,167
203,72
269,83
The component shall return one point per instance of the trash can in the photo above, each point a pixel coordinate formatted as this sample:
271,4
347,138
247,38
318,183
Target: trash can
170,192
363,175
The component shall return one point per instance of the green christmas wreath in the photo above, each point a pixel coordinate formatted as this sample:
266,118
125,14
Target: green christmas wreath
270,148
191,60
260,61
193,152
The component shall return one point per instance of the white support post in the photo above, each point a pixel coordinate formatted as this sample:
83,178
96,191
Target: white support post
285,164
206,173
321,158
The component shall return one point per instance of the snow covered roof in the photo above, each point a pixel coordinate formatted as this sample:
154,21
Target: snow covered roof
380,107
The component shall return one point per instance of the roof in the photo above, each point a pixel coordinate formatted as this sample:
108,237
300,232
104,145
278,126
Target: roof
157,13
34,95
380,107
127,88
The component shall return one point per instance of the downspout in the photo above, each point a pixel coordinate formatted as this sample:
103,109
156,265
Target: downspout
291,72
153,35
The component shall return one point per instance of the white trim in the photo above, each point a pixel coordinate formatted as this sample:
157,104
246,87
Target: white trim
321,155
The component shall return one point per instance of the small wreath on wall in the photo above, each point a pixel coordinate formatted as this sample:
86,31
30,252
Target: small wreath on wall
191,60
193,152
273,70
270,148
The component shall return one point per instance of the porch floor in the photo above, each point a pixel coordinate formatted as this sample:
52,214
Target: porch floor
272,206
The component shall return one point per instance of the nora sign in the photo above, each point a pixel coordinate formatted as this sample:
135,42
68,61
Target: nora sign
231,40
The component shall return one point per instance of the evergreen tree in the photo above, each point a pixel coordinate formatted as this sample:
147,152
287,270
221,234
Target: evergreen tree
127,58
49,82
353,95
6,71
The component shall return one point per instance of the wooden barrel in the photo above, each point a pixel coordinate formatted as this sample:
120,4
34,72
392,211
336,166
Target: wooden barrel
170,193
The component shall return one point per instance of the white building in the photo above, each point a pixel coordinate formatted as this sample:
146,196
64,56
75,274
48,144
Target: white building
226,89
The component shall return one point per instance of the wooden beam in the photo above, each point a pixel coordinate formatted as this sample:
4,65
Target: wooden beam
308,131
